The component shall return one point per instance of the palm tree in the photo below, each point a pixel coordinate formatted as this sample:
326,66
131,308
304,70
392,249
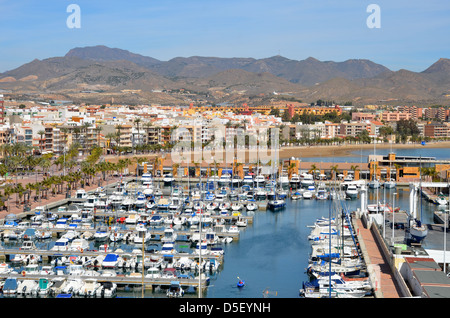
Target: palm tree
334,170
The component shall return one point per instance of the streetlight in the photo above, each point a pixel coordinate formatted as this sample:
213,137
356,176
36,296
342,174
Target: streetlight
393,218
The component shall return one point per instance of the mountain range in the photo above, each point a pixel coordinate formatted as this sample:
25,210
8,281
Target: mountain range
134,78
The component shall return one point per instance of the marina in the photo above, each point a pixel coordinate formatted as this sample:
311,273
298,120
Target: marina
236,241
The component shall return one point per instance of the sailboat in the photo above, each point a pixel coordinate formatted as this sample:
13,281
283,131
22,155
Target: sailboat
374,183
418,230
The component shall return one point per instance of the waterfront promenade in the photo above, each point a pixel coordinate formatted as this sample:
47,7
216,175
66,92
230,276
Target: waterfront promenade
387,286
16,209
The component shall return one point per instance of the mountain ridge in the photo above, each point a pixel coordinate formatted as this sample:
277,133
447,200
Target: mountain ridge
112,70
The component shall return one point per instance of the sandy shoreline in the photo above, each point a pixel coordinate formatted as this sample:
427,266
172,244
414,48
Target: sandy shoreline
348,150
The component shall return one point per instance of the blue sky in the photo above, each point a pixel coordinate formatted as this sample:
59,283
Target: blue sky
413,35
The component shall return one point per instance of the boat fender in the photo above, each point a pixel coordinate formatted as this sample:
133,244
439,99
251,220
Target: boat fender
23,273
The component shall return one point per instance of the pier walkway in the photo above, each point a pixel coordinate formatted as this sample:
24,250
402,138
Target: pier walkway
386,283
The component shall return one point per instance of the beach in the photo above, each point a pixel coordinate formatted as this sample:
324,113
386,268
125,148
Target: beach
344,150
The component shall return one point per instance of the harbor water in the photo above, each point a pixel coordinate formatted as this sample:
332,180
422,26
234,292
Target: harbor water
272,252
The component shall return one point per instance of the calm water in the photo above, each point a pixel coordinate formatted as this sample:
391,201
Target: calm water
273,252
362,155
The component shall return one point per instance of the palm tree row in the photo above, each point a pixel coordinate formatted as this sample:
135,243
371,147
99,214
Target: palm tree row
18,159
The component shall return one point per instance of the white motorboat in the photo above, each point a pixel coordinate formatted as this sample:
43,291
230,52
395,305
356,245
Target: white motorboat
351,191
106,290
236,206
251,206
378,208
441,200
259,180
306,179
390,184
374,184
168,179
90,287
418,231
225,180
79,245
276,204
61,244
169,235
101,234
294,182
73,286
28,288
141,234
283,181
248,180
307,194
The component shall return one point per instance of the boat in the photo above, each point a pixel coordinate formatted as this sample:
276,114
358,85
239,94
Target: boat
156,220
240,283
321,193
251,206
276,204
418,231
90,287
324,288
79,245
28,287
112,260
390,184
81,194
169,235
142,235
106,290
307,194
44,286
236,181
168,179
101,234
374,184
248,180
294,182
175,290
378,208
352,191
236,206
283,181
296,195
61,244
132,218
224,180
10,287
441,200
306,179
259,180
73,286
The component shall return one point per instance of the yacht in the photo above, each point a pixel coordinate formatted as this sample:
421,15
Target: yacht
225,180
146,177
236,181
276,204
351,191
283,181
306,180
259,180
168,179
248,180
294,182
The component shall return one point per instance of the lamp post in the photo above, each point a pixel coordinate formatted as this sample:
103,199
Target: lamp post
393,218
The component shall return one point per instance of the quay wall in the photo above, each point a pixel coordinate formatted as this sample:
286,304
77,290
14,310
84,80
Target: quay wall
374,270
